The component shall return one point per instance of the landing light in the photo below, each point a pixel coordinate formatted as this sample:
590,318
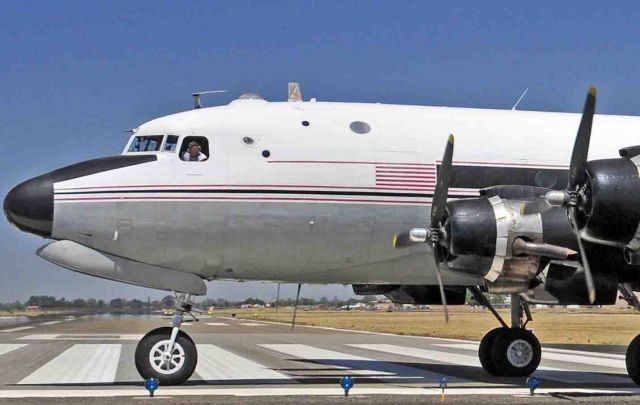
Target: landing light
346,383
151,384
443,385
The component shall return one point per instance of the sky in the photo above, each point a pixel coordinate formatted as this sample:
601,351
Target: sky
75,75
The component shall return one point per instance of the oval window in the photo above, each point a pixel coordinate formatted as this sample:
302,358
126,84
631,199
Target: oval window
360,127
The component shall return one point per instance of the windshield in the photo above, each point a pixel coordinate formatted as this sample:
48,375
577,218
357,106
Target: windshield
146,143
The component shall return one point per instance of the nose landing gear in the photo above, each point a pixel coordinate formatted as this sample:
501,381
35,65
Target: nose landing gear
509,351
168,353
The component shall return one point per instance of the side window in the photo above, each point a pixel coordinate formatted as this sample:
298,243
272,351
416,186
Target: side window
146,143
171,144
194,149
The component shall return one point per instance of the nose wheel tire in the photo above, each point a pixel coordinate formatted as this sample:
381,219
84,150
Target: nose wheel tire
484,351
633,360
515,352
173,369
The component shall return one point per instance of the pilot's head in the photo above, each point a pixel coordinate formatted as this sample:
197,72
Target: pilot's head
194,149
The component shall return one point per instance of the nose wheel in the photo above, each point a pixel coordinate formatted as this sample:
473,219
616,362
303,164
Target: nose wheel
170,367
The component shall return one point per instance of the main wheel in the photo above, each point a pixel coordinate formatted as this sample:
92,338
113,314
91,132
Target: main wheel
515,352
484,351
150,362
633,360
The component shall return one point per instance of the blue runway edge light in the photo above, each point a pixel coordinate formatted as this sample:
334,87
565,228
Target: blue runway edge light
346,383
151,384
533,384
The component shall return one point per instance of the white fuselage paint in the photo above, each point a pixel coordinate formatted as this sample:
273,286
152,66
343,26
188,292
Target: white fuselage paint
323,206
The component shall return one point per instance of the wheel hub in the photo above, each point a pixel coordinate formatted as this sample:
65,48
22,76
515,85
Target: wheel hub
166,363
520,353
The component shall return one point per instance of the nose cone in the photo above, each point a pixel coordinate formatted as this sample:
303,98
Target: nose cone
29,206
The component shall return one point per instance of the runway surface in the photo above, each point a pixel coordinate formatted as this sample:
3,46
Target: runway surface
92,357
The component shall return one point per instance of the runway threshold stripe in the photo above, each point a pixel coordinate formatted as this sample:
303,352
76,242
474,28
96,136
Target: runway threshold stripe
51,323
81,363
562,374
17,329
564,355
216,324
9,347
217,364
357,365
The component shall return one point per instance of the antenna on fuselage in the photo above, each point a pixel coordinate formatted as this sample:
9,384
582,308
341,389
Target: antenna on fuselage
196,96
295,94
515,106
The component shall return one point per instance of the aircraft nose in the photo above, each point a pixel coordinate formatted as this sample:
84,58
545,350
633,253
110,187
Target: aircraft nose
29,206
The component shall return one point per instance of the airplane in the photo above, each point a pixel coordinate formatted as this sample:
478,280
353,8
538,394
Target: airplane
353,193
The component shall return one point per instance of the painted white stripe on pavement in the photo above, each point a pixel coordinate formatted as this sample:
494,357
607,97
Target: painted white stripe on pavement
51,323
216,324
550,373
255,392
251,324
82,363
80,336
17,329
572,356
216,364
356,364
9,347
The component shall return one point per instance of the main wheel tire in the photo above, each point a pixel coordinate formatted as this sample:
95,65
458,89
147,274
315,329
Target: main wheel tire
633,360
149,357
484,351
516,352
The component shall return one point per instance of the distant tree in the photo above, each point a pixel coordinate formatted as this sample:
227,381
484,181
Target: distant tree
168,301
79,303
92,303
117,303
137,304
100,303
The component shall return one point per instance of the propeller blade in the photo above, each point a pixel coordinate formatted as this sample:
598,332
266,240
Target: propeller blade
581,146
401,240
442,186
583,255
440,284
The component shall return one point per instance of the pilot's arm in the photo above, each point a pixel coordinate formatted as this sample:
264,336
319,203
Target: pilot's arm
202,157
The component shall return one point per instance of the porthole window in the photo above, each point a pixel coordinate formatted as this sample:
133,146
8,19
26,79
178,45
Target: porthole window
266,153
247,140
360,127
305,123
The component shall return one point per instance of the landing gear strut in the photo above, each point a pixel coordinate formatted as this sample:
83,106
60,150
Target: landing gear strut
509,351
168,353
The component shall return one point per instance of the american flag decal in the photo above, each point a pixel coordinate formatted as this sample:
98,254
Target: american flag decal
406,176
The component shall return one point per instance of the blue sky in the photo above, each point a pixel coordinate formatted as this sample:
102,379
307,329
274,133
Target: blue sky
74,75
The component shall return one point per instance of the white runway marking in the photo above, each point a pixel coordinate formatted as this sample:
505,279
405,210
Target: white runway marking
357,365
251,324
82,363
87,336
216,324
560,374
216,364
571,356
17,329
51,323
6,348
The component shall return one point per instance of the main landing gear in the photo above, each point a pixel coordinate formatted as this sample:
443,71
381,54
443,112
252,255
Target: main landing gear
168,354
509,351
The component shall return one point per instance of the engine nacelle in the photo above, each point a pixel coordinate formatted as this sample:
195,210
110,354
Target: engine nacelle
612,214
481,233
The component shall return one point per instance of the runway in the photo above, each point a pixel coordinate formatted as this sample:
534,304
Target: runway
93,357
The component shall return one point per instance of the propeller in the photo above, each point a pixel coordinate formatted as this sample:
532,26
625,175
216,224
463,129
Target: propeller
574,197
434,235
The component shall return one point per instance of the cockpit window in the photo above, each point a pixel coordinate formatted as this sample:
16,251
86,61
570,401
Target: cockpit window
194,149
146,143
171,144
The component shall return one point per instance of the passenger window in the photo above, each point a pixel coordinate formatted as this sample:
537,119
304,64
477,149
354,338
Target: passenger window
146,143
194,149
171,144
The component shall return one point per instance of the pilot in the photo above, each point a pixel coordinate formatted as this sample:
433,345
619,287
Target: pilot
193,153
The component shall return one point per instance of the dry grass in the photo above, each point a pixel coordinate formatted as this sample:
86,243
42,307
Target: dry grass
583,326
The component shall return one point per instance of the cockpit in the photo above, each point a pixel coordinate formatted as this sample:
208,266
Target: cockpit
186,148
